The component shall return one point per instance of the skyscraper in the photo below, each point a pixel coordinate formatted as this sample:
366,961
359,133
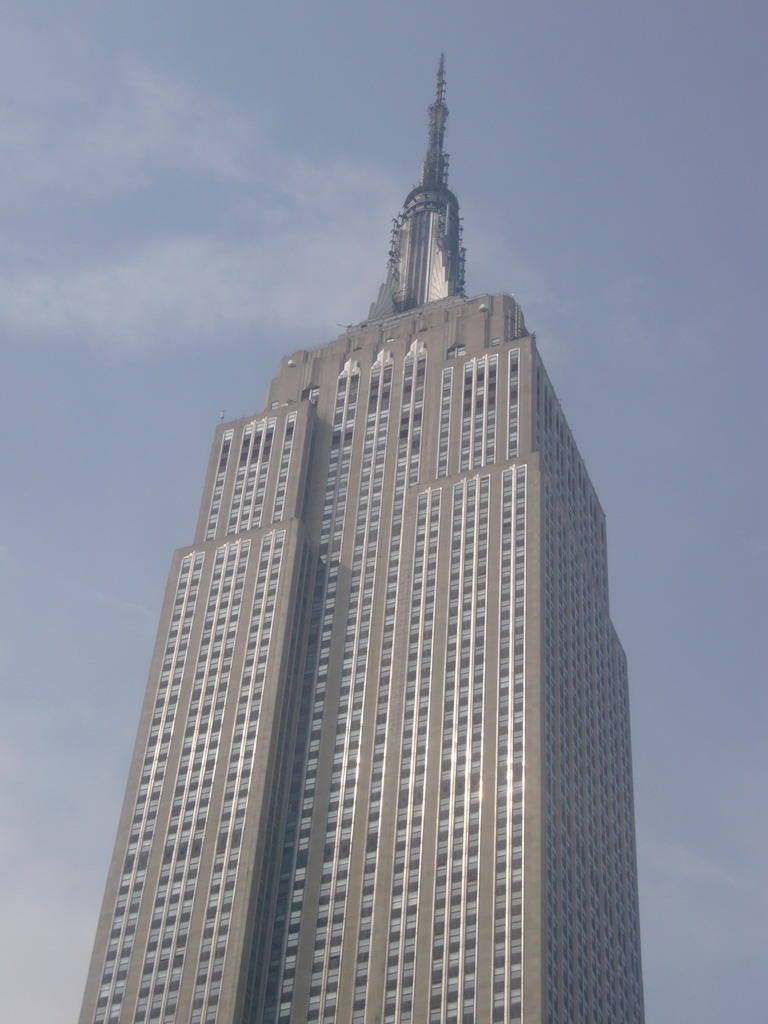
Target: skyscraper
382,774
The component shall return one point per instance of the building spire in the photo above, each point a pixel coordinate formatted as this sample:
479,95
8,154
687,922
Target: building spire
426,258
435,170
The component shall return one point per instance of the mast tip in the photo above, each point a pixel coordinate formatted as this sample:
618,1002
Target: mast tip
435,172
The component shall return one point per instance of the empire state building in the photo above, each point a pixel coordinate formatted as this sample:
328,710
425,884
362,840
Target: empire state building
382,773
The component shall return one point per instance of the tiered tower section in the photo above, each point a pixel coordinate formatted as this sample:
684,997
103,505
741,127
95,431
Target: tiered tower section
383,770
383,767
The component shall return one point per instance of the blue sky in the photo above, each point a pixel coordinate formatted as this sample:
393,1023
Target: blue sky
191,189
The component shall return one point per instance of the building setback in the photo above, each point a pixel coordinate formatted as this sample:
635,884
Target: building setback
382,774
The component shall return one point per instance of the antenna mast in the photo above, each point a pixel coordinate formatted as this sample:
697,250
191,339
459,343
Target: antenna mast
435,171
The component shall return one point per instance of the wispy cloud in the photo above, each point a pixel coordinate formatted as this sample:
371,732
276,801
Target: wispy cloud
188,288
152,122
96,130
276,241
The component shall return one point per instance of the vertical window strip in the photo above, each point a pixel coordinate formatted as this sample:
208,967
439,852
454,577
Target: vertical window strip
243,500
455,918
515,872
285,462
145,809
513,403
408,835
194,779
407,408
352,690
414,440
479,398
467,415
463,755
489,453
551,698
240,765
479,412
478,597
397,976
383,698
266,983
446,898
502,882
195,776
510,764
251,518
324,604
445,423
218,486
251,436
259,996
